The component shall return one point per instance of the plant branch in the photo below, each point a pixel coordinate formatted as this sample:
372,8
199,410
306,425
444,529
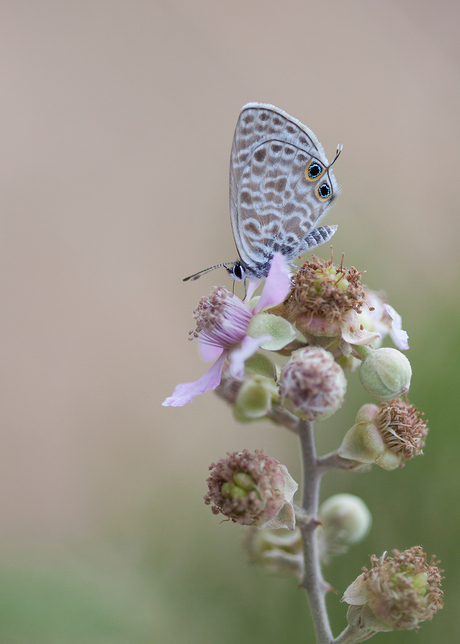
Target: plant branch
313,581
333,461
284,417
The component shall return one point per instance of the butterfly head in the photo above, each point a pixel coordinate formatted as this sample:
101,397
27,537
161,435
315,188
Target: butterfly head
237,271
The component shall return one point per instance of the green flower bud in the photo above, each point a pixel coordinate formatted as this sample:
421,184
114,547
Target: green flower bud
345,520
254,398
385,373
278,551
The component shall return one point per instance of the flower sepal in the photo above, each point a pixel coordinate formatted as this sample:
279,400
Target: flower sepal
281,331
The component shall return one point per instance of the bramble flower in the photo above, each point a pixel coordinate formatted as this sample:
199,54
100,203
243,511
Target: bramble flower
397,593
387,435
252,489
345,520
324,304
312,384
278,551
228,327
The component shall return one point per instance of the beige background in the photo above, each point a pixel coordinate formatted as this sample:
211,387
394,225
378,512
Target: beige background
116,126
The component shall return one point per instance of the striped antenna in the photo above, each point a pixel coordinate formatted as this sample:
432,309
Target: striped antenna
196,276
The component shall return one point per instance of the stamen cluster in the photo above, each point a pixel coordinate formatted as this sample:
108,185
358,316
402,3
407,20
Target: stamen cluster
402,428
397,593
221,318
251,489
321,289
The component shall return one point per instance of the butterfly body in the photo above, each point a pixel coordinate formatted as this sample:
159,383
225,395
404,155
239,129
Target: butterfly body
281,185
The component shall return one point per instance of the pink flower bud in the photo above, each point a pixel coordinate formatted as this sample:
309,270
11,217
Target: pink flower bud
312,385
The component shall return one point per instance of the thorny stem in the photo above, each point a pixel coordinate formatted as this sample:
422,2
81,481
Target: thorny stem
313,581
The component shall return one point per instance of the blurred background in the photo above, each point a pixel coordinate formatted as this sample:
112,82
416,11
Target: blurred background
116,127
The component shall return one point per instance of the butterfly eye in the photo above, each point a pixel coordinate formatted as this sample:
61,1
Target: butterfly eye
237,271
314,171
324,192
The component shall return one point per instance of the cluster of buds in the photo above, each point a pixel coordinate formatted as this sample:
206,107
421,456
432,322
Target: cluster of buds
323,322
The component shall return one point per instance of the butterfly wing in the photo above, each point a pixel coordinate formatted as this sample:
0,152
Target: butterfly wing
274,203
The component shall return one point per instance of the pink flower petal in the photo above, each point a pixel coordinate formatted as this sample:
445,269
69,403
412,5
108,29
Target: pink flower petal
277,285
398,335
187,391
209,352
248,347
253,284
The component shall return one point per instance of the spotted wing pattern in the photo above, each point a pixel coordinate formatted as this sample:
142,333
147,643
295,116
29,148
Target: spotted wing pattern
274,203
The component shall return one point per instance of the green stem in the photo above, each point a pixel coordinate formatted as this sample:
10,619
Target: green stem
363,351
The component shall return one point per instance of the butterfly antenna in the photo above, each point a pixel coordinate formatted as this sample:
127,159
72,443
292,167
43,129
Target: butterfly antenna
337,154
196,276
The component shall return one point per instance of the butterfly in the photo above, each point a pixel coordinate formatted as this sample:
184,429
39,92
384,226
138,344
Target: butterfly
281,185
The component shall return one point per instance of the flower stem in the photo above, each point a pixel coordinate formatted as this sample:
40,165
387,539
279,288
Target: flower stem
313,581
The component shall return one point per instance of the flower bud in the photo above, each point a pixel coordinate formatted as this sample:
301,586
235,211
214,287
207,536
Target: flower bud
312,385
385,373
397,593
345,520
387,435
254,398
252,489
278,551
